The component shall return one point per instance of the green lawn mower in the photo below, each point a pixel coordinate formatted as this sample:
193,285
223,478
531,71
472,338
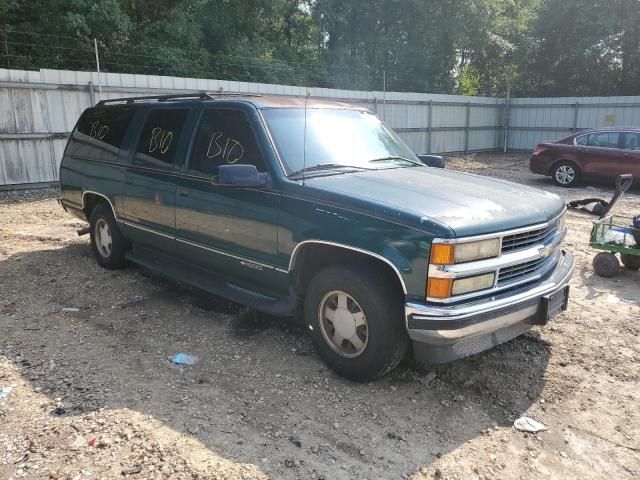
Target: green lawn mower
616,234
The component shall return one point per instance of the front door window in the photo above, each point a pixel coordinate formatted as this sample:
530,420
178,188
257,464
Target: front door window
631,141
224,137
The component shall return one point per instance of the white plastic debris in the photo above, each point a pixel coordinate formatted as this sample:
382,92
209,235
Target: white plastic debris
529,425
70,309
5,391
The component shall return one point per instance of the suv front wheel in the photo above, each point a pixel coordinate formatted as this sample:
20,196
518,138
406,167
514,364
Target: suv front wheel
355,321
107,243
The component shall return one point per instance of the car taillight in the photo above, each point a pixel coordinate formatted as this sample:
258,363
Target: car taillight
539,149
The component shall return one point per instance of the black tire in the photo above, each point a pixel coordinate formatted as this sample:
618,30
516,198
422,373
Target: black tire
386,341
606,264
566,174
102,216
632,262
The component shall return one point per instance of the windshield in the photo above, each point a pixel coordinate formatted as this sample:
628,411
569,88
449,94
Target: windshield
335,138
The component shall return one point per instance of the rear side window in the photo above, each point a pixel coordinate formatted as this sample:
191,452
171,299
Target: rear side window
224,137
105,124
99,134
604,139
631,141
158,143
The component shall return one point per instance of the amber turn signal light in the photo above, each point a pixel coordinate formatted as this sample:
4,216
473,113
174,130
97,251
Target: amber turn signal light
439,287
442,254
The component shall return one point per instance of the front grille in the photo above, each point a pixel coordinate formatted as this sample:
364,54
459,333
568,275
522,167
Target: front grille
517,272
511,243
536,248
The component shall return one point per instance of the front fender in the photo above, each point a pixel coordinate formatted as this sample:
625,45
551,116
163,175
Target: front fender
403,248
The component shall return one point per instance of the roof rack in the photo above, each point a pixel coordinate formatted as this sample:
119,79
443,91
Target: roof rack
181,96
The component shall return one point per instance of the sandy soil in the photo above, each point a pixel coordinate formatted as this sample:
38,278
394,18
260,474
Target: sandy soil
94,395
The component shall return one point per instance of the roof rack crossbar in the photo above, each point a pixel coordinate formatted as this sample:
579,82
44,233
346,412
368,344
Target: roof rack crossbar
178,96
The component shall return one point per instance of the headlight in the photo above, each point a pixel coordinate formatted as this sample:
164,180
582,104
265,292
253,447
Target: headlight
561,223
451,253
447,287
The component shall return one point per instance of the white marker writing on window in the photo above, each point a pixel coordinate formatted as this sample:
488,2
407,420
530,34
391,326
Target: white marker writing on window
232,151
160,140
98,130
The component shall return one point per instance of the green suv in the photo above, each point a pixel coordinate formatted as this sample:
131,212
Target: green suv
299,207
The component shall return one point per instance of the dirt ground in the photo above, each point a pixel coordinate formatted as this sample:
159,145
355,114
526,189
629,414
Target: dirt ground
94,395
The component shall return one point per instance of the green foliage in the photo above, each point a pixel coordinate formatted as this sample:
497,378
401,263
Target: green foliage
586,48
474,47
469,81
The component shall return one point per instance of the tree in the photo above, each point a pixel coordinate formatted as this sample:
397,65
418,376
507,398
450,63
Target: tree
31,42
542,47
586,48
469,81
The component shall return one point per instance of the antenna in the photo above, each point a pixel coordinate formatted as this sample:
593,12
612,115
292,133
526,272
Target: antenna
304,139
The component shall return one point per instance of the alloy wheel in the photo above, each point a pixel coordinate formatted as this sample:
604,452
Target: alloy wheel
103,238
565,174
343,324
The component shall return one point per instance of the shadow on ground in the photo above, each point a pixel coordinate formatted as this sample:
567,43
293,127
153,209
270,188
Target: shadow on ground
257,381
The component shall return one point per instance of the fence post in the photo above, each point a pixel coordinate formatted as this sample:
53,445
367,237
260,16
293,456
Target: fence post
429,125
505,122
575,117
92,94
375,105
466,128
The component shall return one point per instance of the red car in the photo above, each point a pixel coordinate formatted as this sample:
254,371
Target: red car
597,155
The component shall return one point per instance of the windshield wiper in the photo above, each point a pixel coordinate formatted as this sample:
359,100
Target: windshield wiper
395,157
325,166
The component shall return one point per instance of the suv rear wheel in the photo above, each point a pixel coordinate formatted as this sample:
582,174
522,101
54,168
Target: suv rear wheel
107,243
355,322
566,174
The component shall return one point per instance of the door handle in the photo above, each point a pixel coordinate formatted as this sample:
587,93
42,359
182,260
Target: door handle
183,194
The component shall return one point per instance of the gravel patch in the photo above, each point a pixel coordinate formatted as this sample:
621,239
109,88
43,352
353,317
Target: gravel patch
94,394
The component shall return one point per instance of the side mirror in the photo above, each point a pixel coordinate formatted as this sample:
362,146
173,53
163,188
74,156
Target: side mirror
434,161
242,176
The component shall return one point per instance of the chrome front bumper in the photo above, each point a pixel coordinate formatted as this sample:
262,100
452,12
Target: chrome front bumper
444,333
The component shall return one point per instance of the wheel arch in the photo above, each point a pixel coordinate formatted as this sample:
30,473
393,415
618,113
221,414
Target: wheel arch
315,254
90,199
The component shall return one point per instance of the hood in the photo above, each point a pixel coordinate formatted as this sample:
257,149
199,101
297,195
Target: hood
468,204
